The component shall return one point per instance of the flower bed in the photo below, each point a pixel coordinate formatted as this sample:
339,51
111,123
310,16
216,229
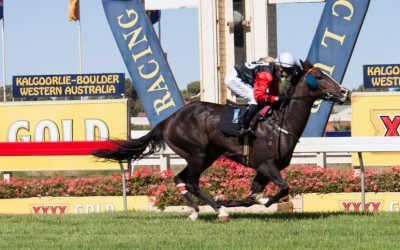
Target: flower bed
225,179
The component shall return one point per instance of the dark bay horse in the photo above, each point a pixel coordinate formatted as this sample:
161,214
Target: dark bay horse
193,133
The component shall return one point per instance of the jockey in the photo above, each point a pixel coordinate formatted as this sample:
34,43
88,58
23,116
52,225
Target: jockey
258,83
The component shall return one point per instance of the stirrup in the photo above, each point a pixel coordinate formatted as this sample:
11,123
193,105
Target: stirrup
245,132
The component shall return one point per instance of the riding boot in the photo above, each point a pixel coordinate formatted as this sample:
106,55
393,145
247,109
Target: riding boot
247,117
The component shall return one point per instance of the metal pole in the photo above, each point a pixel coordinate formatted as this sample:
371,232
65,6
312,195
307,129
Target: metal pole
123,186
362,182
80,46
4,61
159,27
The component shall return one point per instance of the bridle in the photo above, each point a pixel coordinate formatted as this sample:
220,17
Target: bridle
326,96
284,131
309,71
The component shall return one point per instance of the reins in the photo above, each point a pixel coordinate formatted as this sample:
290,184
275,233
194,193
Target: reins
304,97
309,71
279,128
282,130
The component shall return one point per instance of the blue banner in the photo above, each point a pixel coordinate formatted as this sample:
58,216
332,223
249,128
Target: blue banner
1,9
331,50
382,76
68,85
144,58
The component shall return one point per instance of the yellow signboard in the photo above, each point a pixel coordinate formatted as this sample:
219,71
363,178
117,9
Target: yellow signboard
72,205
351,202
376,114
61,121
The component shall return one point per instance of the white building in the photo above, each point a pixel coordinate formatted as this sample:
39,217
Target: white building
230,32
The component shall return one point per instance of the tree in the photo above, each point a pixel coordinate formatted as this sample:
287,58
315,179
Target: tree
9,95
360,88
193,88
191,93
130,92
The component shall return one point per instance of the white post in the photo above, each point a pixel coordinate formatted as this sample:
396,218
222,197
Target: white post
124,200
321,159
260,24
80,46
362,182
208,34
165,161
7,176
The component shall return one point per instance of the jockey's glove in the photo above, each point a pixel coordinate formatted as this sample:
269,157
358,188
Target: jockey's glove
283,98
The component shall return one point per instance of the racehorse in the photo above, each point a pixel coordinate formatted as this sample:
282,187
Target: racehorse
193,133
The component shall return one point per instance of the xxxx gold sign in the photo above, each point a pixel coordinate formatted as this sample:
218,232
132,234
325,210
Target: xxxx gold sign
376,114
351,202
71,205
61,121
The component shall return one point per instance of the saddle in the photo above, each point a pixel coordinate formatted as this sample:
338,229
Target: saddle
231,117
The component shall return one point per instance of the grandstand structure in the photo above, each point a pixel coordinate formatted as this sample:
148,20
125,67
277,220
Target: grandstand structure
230,32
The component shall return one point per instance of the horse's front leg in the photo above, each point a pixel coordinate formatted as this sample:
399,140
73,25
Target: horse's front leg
257,189
271,171
255,197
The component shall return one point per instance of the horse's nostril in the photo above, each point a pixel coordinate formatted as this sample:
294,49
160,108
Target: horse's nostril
343,91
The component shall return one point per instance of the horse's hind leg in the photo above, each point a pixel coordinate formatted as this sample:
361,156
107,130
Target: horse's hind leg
180,181
193,185
271,171
196,167
187,183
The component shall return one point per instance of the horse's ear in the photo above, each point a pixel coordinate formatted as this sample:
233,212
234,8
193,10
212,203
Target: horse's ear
302,63
306,65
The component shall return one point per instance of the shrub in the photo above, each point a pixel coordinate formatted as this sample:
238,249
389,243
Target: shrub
224,180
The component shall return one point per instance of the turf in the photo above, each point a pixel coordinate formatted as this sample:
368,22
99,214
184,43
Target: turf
142,230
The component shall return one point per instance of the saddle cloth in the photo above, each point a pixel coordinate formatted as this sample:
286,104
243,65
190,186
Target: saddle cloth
231,117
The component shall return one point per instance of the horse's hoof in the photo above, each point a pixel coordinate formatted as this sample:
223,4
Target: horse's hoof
268,204
224,218
221,202
218,198
193,216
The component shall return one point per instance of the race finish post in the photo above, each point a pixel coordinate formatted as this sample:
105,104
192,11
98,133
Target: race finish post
144,58
331,51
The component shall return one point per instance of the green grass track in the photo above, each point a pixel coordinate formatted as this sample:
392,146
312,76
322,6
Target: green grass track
145,230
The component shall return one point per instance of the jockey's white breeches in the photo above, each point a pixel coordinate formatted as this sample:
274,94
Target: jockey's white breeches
238,87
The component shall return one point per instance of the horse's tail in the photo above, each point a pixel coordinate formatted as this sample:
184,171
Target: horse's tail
134,149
